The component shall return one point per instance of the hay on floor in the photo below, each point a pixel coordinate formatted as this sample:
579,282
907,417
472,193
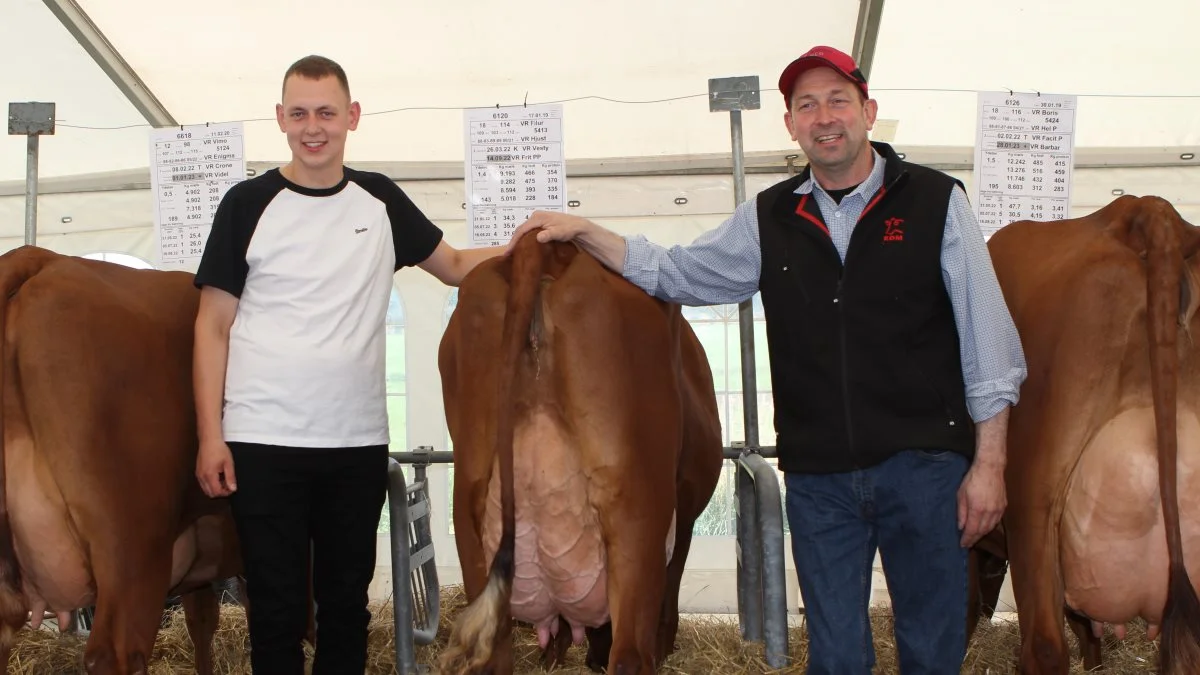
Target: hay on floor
704,645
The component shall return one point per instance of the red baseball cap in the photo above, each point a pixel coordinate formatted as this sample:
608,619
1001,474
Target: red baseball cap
817,57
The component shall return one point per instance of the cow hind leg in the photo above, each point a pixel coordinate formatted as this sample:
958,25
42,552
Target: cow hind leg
503,661
129,608
202,611
974,593
12,618
1040,599
668,623
1089,645
637,570
555,652
112,651
8,636
986,580
599,647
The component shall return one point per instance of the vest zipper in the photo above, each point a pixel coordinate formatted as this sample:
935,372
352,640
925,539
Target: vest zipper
837,300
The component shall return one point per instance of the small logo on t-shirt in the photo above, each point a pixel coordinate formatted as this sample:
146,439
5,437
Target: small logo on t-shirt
359,230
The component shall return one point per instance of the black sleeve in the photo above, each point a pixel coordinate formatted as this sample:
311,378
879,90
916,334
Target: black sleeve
414,236
223,264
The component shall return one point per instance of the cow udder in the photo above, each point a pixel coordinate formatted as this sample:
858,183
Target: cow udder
560,554
1113,545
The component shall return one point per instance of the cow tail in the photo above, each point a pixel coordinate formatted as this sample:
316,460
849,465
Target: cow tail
16,268
1179,650
472,642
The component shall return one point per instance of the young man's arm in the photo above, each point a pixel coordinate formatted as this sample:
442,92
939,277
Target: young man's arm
450,265
418,241
221,277
214,464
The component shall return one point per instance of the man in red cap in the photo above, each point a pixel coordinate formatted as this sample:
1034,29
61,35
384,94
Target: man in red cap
894,361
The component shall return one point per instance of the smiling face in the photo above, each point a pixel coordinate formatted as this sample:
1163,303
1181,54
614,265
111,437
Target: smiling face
830,120
316,115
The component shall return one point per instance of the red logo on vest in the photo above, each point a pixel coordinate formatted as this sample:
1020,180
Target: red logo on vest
895,229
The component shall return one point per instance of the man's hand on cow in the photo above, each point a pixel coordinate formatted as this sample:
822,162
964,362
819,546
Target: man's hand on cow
981,501
608,247
551,226
214,469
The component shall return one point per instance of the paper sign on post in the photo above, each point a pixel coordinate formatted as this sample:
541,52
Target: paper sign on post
191,169
514,166
1024,156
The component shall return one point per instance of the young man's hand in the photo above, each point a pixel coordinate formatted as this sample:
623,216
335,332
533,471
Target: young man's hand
214,469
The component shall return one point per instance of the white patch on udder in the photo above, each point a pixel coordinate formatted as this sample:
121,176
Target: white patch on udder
1113,543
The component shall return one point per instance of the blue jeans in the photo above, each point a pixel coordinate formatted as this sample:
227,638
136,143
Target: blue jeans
907,507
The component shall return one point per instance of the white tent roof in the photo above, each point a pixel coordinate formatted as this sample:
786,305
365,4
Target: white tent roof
415,65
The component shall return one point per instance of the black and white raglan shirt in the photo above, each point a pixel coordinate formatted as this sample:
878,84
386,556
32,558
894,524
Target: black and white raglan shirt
312,269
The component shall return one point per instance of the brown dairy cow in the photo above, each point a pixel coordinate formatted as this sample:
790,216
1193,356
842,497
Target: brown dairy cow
100,505
1103,511
586,443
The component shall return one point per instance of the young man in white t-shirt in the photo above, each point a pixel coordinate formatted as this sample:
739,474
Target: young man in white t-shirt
296,278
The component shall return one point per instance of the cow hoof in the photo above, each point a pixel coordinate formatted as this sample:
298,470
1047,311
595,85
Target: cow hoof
99,663
104,662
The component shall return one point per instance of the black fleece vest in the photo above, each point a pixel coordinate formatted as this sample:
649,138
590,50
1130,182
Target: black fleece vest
864,358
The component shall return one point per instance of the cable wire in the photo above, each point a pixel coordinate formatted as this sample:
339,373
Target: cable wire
625,102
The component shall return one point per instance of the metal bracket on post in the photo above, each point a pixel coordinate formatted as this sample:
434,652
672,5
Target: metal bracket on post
422,457
31,120
791,164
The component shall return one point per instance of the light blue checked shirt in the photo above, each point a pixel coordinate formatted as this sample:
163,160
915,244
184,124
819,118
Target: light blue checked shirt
722,267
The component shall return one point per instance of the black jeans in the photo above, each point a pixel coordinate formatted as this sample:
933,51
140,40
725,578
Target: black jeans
286,499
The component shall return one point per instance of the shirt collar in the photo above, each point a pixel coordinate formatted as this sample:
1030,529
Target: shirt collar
866,188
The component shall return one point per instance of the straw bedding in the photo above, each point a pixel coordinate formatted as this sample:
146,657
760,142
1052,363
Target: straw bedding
705,646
